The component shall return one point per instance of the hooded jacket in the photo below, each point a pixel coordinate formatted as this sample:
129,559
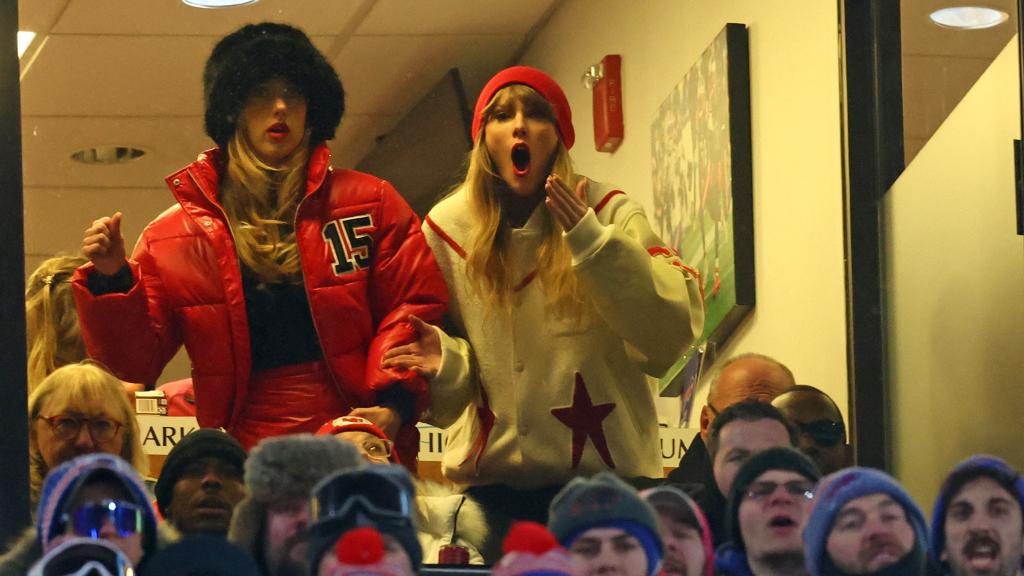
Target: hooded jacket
365,268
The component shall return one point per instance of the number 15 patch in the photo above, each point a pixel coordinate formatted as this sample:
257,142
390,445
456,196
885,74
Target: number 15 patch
350,242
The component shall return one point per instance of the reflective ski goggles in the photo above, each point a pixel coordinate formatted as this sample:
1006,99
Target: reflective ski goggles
83,557
88,520
378,496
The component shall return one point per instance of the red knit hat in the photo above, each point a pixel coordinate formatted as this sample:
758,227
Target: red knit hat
355,424
540,82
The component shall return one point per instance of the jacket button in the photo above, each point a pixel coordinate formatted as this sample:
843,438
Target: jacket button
177,182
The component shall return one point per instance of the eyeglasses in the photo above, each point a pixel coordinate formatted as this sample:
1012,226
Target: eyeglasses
88,520
797,488
378,449
67,427
828,433
377,495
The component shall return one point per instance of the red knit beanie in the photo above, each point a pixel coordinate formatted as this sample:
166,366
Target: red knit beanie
540,82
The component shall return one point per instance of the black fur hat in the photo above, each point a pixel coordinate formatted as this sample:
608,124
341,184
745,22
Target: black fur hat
258,52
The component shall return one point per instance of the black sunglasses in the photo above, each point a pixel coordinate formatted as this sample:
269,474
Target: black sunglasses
828,433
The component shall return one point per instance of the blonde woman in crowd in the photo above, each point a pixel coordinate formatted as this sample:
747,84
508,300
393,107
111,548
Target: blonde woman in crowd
79,409
50,318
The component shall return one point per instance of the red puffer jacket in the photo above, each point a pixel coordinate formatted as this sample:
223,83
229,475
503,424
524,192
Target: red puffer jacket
366,268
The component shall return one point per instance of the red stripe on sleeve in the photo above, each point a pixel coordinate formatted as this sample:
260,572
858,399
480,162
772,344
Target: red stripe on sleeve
444,236
607,197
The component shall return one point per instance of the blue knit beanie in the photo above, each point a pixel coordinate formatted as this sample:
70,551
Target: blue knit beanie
970,469
839,488
63,482
605,501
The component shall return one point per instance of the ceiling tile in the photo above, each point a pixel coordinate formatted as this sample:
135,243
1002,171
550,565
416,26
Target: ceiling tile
453,17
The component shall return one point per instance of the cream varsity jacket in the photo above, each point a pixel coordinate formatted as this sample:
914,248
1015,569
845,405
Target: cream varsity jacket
529,398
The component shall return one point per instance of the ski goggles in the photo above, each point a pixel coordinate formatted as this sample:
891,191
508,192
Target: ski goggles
83,557
379,497
88,520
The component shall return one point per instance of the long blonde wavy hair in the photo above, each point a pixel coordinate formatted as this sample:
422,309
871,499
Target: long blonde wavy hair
260,203
487,254
51,321
85,383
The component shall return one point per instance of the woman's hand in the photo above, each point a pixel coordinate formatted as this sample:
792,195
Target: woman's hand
385,418
566,206
104,245
422,356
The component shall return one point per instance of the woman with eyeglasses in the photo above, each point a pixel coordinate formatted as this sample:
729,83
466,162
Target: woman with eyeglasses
97,496
80,409
284,278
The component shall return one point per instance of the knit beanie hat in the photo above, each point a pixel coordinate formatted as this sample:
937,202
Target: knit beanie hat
981,465
780,458
73,554
605,501
284,468
380,497
360,551
673,502
531,550
540,82
63,482
203,443
256,53
202,555
839,488
355,424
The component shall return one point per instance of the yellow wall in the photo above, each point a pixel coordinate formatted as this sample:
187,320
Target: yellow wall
956,290
794,63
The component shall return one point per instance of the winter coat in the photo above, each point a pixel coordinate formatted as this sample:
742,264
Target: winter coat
365,268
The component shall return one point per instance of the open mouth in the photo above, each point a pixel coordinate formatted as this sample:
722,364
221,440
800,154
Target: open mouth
981,552
278,131
521,159
782,522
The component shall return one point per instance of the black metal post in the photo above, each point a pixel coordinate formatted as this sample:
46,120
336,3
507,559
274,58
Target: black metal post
874,158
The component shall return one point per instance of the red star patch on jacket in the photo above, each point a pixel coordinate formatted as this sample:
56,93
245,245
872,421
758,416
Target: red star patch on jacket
585,420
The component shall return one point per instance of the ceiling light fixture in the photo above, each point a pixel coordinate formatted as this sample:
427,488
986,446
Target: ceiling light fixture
217,3
24,40
108,155
968,17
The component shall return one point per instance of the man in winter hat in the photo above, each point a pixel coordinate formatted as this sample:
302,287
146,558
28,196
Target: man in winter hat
769,500
271,523
976,525
864,522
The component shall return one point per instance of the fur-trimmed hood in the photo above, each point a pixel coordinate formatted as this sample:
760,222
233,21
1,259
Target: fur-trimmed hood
445,516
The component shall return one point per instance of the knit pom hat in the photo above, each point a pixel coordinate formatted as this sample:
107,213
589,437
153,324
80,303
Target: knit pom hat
284,468
380,497
605,501
355,424
63,482
360,551
981,465
781,458
673,502
540,82
835,491
203,443
256,53
531,550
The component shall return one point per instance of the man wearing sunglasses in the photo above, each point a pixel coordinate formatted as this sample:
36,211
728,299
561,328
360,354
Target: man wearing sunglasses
822,430
97,496
769,502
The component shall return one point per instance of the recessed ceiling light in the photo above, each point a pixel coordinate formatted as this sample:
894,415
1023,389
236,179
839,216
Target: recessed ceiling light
108,155
217,3
968,17
24,39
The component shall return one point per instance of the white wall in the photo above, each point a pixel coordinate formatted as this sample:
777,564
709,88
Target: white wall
956,290
795,108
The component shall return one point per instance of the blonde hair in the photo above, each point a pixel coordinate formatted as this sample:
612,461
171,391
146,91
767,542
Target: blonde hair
487,255
51,321
76,385
260,202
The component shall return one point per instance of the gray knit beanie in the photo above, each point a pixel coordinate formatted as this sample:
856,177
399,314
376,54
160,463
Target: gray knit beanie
283,468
